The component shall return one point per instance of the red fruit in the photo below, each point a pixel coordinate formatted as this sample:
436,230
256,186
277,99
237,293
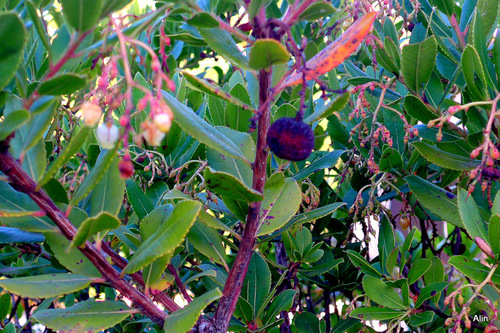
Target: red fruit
126,168
290,139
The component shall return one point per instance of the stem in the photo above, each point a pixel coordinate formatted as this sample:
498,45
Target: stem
232,288
179,283
23,183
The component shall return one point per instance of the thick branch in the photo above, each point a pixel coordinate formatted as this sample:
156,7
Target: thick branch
234,282
23,183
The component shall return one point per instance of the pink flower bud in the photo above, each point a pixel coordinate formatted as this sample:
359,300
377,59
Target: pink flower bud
107,135
163,122
91,113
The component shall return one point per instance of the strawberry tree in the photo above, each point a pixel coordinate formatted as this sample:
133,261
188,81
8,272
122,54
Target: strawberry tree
249,166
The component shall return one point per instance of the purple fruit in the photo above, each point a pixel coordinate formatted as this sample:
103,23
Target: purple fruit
290,139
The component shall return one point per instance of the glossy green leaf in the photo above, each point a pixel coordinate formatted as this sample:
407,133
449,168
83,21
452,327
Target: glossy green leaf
62,84
255,6
418,62
418,109
472,220
435,272
388,61
307,322
374,313
203,20
13,121
75,143
390,159
238,118
207,240
226,184
420,319
140,202
317,10
437,200
488,9
418,268
110,6
82,15
494,233
167,238
89,315
5,306
13,235
102,222
362,264
107,196
200,130
473,269
103,162
446,6
282,198
335,105
17,202
39,25
12,40
430,290
282,302
327,161
222,43
381,293
48,285
207,87
474,73
257,282
183,320
267,52
445,159
385,240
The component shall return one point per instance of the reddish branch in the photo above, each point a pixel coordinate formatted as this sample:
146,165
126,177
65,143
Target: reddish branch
23,183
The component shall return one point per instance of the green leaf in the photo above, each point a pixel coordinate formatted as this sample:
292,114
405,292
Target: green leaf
469,212
473,269
282,302
418,268
167,238
17,202
228,185
474,74
336,104
488,10
236,117
430,290
207,240
324,265
140,202
110,6
282,198
48,285
181,321
75,143
257,282
446,6
494,233
89,315
207,87
203,20
307,322
385,241
381,293
12,121
327,161
200,130
436,271
82,15
14,235
5,306
361,263
62,84
418,62
445,159
39,25
390,159
317,10
107,196
103,162
418,109
222,43
267,52
374,313
419,319
437,200
103,221
255,6
12,40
